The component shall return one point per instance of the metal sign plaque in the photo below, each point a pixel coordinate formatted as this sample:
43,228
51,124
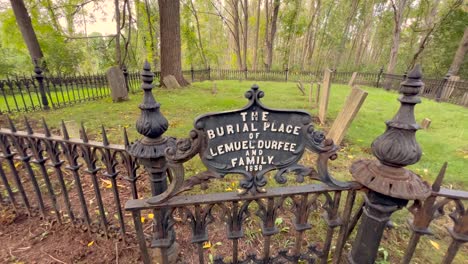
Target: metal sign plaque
253,139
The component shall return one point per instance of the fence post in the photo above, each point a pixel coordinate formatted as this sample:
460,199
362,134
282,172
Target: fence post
378,77
125,74
150,151
209,72
286,73
245,73
191,72
390,185
40,79
440,89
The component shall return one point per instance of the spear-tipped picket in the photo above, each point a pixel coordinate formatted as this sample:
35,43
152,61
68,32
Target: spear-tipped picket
10,123
126,141
105,140
29,129
440,177
65,134
46,128
84,136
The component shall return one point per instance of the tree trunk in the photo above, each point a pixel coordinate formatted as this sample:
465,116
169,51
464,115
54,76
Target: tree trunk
349,19
460,54
118,55
257,28
169,21
270,36
245,9
27,31
398,19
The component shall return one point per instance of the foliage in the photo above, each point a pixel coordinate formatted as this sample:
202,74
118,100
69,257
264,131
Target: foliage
350,35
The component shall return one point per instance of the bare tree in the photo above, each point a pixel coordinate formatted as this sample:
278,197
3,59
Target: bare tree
27,31
460,54
431,25
257,29
169,21
398,7
270,31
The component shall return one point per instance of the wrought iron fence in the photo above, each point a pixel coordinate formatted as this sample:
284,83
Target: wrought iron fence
87,182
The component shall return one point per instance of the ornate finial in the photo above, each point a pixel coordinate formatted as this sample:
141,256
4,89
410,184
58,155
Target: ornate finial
28,126
65,134
151,124
46,128
396,148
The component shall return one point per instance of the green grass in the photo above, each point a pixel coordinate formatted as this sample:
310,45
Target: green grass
446,140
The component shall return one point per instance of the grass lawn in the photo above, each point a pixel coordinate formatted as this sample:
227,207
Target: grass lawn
446,140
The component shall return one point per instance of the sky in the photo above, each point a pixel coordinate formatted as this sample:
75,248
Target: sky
103,17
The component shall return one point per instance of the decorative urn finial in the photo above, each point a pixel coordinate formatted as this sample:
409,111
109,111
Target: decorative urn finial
151,124
395,149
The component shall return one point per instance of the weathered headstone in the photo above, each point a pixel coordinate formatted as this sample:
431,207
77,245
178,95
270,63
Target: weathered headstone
449,87
464,100
324,96
170,82
117,85
426,123
73,129
347,115
301,87
353,78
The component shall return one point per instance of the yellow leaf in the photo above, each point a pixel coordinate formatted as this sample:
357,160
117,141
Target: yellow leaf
150,216
91,243
142,219
350,156
17,164
435,244
108,183
228,189
233,184
206,244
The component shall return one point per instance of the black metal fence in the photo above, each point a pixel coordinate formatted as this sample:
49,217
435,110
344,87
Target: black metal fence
87,182
39,92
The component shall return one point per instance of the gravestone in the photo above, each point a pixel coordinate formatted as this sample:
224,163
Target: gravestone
117,85
346,116
324,96
301,87
426,123
170,82
464,100
353,78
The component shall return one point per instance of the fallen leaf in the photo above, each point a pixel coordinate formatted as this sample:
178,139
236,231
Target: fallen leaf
150,216
228,189
142,219
435,244
206,244
108,183
91,243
